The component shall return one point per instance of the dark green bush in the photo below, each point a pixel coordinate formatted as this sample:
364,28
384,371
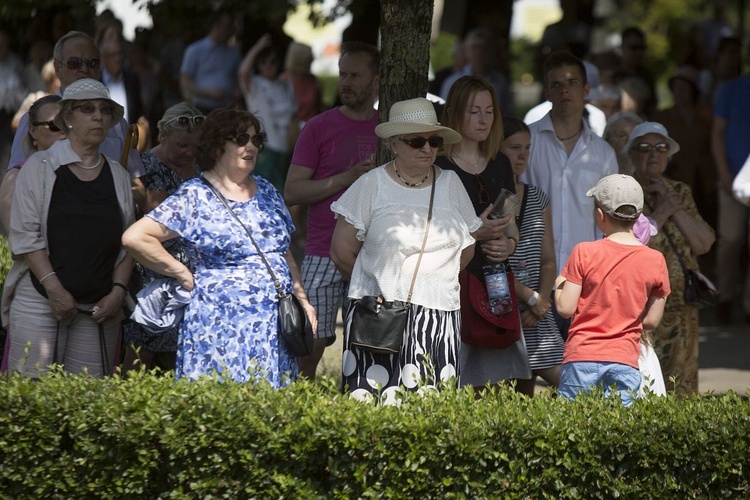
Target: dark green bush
149,437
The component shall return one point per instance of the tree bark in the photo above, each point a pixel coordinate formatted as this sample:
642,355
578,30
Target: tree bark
405,27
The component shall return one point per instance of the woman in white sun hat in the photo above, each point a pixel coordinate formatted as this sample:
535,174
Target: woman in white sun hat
382,220
63,296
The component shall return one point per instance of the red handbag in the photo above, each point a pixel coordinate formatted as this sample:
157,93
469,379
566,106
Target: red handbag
479,327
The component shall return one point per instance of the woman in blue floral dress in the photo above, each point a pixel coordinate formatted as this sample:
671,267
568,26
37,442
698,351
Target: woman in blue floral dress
166,167
230,325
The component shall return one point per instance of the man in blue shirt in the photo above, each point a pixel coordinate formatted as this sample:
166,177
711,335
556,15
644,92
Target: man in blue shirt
208,75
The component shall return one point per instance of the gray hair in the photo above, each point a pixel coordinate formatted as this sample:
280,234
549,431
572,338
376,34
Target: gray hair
58,50
617,118
167,126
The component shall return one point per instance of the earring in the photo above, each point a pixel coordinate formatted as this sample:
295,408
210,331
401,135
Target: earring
70,127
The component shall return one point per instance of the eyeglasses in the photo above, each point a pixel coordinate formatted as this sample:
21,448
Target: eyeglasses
50,125
184,121
77,62
242,139
646,148
90,109
482,196
435,141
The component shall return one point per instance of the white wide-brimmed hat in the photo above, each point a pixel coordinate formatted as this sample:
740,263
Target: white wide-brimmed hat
415,116
646,128
84,90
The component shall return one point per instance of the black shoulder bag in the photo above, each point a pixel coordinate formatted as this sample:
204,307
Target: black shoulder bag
294,328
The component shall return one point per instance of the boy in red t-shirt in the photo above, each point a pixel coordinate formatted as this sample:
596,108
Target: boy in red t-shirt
614,288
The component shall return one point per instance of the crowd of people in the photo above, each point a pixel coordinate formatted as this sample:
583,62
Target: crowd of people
114,194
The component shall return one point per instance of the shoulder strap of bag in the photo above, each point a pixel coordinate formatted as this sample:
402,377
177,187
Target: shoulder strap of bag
426,232
223,200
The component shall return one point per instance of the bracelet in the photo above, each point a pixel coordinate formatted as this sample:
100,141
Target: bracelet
46,276
120,285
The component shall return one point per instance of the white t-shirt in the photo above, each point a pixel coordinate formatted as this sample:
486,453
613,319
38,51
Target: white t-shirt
274,104
390,220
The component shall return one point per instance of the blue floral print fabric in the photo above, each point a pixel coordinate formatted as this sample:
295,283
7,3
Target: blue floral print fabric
230,326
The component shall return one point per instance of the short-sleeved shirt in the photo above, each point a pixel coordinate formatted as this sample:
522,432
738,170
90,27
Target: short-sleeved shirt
566,179
390,220
329,144
733,105
212,66
617,281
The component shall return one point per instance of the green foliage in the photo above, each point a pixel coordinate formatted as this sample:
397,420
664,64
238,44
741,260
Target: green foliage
149,437
5,259
441,52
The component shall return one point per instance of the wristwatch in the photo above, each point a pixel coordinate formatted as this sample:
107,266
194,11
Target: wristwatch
533,299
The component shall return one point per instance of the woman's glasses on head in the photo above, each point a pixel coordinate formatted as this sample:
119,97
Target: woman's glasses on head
435,141
49,124
242,139
184,121
90,109
645,147
77,62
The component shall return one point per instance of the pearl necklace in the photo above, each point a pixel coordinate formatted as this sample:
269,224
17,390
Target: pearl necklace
410,184
91,167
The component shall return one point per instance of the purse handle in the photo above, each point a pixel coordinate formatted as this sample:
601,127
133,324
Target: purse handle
222,199
426,232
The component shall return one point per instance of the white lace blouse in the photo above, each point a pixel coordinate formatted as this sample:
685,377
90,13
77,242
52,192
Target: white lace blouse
390,220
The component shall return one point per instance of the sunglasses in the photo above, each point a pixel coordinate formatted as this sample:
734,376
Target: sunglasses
435,141
482,196
90,109
242,139
645,147
184,121
50,125
77,63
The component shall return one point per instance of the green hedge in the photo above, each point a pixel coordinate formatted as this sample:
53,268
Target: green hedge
149,437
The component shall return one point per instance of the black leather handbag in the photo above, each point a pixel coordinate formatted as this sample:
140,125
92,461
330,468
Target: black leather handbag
699,290
378,325
294,328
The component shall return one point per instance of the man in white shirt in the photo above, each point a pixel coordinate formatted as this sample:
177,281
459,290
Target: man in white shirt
567,158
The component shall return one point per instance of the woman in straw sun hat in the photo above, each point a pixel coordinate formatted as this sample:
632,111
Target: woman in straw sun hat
382,220
63,295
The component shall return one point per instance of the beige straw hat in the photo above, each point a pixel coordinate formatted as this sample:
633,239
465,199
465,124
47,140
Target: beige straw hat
84,90
415,116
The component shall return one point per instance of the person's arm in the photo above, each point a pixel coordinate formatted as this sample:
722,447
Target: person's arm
190,90
653,312
63,305
466,255
6,198
245,71
566,296
299,291
345,247
719,152
110,305
144,242
547,271
698,234
302,189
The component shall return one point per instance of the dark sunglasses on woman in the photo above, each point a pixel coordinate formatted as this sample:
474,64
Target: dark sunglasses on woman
242,140
90,109
50,125
435,141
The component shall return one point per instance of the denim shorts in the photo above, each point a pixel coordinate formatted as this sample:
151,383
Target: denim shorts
614,378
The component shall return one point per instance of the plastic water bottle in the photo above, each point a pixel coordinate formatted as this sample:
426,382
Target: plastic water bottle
498,291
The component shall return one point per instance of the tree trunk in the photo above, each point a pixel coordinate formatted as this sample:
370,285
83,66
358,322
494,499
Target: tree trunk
405,27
